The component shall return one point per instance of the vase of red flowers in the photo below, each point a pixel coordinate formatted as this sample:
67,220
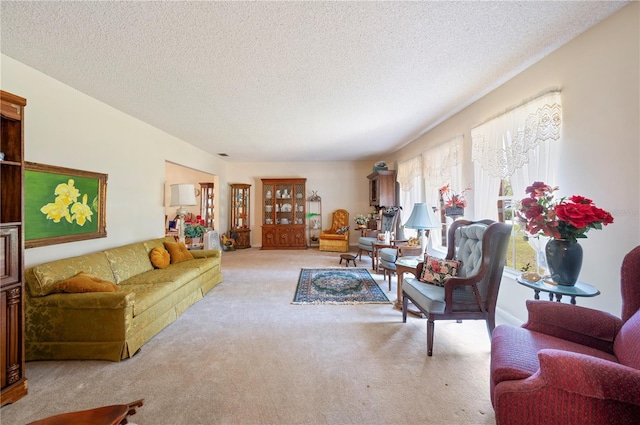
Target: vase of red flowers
565,221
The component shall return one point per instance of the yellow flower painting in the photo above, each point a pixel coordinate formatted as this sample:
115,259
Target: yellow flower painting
63,205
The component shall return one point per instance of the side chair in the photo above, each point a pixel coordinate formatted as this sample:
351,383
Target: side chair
336,239
480,247
388,217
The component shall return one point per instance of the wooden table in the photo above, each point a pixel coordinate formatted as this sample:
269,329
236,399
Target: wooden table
405,265
107,415
375,247
580,289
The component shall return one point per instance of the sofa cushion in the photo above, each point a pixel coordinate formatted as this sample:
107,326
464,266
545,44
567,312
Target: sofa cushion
47,274
627,343
128,260
178,252
437,271
84,282
342,230
160,257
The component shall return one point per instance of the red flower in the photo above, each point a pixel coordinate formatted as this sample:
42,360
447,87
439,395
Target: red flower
566,219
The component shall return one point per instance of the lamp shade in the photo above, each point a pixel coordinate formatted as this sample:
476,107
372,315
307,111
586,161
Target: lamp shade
422,217
182,194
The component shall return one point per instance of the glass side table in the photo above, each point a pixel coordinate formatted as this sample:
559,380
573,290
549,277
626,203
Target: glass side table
580,289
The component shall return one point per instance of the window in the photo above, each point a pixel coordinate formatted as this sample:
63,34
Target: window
521,254
442,166
509,153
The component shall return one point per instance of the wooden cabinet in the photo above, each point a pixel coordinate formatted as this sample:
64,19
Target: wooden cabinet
239,210
13,380
382,188
283,213
207,206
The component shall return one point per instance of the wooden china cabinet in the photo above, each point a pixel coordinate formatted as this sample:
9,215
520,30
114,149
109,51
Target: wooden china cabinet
207,205
14,382
239,209
382,188
283,214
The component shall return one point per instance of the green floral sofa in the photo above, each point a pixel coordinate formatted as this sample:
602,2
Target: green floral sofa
111,325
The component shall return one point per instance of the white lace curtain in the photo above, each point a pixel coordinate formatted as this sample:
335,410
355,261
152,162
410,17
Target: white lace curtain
443,165
520,144
411,188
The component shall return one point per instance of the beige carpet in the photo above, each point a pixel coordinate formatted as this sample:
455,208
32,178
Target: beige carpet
246,355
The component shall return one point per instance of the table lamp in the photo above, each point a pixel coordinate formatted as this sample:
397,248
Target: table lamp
182,195
422,218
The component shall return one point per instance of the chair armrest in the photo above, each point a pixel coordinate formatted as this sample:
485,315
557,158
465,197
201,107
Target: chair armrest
582,325
590,376
569,384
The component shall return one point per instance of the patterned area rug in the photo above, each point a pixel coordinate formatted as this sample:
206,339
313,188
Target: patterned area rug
338,286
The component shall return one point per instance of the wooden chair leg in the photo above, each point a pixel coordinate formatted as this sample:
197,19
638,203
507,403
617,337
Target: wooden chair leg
430,330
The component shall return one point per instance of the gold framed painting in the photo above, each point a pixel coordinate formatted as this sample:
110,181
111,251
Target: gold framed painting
63,205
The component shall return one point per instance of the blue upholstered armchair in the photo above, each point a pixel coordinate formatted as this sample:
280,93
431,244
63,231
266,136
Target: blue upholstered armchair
481,249
388,222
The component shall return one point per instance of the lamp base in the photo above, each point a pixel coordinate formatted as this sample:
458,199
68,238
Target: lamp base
423,242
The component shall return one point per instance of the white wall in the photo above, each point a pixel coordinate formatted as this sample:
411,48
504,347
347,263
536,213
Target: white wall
598,73
340,184
65,127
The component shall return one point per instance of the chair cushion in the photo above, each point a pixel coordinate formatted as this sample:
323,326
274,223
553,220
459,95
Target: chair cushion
366,243
437,271
388,254
429,297
627,342
514,352
469,245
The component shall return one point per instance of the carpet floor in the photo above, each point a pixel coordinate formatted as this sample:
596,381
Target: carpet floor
246,355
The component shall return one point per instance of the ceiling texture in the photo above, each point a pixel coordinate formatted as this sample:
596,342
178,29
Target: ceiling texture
290,81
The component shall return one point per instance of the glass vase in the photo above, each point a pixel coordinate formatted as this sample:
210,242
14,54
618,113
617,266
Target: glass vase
564,259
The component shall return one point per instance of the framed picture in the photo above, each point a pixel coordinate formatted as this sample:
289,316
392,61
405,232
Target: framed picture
63,205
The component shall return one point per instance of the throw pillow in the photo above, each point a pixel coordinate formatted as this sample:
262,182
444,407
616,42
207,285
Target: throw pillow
437,271
84,282
178,252
342,230
160,257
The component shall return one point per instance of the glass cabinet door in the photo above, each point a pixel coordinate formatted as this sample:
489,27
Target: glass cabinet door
240,206
207,205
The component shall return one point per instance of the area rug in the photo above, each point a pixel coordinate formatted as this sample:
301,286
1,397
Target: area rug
338,286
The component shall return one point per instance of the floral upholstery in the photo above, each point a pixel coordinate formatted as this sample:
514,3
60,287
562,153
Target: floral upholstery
570,364
111,325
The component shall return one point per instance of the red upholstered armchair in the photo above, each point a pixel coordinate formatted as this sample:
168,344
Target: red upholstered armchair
571,364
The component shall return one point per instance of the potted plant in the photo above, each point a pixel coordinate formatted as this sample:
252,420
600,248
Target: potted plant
193,232
454,203
361,221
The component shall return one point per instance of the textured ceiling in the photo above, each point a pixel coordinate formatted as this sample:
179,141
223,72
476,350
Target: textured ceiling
290,81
